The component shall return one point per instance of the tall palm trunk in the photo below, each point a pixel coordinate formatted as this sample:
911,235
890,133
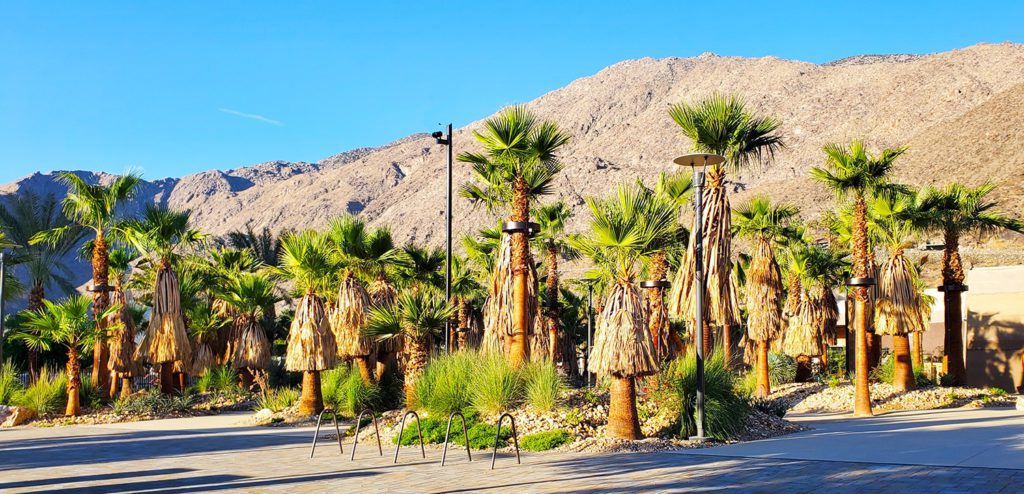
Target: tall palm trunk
764,386
312,400
656,301
903,369
519,349
100,302
916,352
554,342
36,295
74,369
463,336
363,364
415,364
953,341
623,420
862,393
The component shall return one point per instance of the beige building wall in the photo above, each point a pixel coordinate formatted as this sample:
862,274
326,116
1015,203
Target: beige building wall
995,326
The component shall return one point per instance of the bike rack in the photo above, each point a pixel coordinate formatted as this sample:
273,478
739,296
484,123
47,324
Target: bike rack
497,435
337,430
376,430
465,436
401,429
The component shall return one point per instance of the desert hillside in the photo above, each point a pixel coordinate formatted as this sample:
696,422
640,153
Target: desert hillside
961,112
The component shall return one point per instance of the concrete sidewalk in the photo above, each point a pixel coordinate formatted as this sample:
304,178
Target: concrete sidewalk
988,437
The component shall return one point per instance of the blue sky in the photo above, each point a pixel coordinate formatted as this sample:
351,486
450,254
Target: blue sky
172,88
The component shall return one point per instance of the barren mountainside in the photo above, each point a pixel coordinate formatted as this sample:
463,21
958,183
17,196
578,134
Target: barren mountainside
961,112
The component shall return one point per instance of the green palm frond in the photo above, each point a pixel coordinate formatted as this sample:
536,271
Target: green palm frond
722,125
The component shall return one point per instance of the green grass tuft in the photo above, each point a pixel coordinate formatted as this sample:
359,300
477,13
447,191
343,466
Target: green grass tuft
47,395
277,399
543,441
543,385
10,386
726,408
496,385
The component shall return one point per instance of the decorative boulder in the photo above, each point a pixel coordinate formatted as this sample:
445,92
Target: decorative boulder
1020,403
18,416
264,416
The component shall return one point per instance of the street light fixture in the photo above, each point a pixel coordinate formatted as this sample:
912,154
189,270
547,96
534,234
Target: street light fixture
699,162
446,140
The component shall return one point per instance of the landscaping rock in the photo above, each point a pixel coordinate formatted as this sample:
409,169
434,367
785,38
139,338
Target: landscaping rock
18,416
264,416
1020,403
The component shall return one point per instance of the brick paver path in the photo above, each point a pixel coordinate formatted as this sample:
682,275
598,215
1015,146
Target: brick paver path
103,459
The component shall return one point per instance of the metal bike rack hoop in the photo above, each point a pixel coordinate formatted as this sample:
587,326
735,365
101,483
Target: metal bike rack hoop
465,436
497,435
376,431
337,430
401,429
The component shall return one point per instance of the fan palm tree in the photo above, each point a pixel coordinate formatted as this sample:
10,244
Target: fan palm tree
766,224
348,315
851,172
250,294
721,125
307,260
68,323
93,207
161,235
519,163
957,210
552,218
417,317
670,191
122,340
623,232
263,244
466,289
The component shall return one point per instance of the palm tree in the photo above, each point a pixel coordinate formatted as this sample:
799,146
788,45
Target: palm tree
68,323
721,125
898,307
348,314
263,244
250,294
420,267
766,224
161,235
957,210
466,290
552,218
122,340
519,163
671,191
417,317
93,207
623,232
306,259
853,172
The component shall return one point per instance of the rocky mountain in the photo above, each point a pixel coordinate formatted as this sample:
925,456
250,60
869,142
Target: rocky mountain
961,112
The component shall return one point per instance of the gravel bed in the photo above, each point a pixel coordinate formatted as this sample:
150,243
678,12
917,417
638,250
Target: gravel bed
819,398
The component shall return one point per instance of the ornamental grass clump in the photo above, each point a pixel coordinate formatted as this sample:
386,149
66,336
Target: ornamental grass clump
543,385
344,390
445,385
46,395
10,385
725,408
496,385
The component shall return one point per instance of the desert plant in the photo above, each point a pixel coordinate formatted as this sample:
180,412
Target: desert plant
345,390
46,395
542,385
496,385
152,402
277,399
782,368
726,409
445,385
10,385
543,441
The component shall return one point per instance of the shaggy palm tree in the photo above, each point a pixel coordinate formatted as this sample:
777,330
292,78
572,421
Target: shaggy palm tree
122,340
68,323
306,259
721,125
957,210
552,218
898,307
263,244
466,290
348,315
250,294
676,189
161,235
623,232
519,163
42,263
417,317
766,224
93,207
851,172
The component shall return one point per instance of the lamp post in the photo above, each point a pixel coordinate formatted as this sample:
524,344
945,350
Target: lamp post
446,140
699,162
3,277
590,328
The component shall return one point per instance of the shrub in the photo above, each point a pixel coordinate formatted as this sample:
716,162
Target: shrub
481,436
344,390
10,385
776,407
277,399
725,408
89,396
543,385
543,441
781,368
47,395
432,429
152,402
747,384
221,379
496,386
996,392
885,370
836,362
444,386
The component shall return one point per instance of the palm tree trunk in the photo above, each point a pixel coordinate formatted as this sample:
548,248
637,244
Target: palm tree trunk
903,369
803,368
764,386
312,400
623,421
656,300
167,378
126,386
862,315
363,364
74,369
100,302
245,378
554,346
953,274
916,353
463,336
417,361
519,351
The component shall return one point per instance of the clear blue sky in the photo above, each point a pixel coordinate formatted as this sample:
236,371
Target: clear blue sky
177,87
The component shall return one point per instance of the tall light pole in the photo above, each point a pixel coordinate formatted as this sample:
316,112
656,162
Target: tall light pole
446,140
3,278
590,328
699,162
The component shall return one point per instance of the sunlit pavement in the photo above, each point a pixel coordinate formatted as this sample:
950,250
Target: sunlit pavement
941,451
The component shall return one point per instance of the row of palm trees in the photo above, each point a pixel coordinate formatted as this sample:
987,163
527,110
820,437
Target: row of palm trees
360,298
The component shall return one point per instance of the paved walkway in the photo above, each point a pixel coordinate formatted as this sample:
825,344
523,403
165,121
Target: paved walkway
220,454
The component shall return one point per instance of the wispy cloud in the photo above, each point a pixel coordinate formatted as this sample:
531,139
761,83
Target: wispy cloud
250,116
